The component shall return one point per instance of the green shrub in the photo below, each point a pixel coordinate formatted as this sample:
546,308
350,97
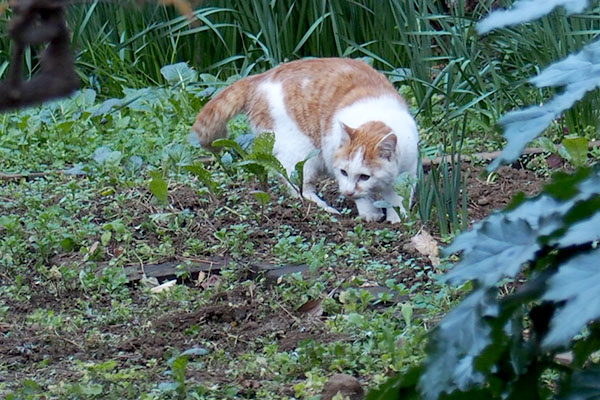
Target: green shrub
506,347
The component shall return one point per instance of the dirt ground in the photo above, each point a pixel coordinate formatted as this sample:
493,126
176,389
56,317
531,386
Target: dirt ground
235,320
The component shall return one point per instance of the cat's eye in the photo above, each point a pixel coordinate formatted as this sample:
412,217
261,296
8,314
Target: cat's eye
343,171
364,177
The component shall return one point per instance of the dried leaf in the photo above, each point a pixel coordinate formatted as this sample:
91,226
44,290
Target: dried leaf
312,308
201,277
119,251
426,245
94,248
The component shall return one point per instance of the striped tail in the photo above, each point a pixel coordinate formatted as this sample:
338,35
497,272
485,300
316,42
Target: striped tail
211,122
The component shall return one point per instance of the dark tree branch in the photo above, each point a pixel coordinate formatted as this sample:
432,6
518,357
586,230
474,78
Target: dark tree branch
36,22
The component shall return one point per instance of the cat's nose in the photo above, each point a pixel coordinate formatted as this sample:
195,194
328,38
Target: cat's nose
348,193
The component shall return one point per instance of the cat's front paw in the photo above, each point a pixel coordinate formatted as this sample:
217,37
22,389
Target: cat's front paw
371,216
392,216
331,210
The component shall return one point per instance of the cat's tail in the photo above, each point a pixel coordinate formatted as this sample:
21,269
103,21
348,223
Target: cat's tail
211,122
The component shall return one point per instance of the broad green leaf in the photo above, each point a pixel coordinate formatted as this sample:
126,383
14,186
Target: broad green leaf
106,107
31,387
297,176
104,155
264,143
203,175
578,73
498,247
582,385
576,283
245,140
269,161
158,187
577,149
455,343
179,365
105,238
580,233
90,389
254,167
262,197
527,10
229,144
179,73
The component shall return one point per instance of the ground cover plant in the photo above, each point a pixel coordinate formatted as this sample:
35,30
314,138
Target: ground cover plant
99,190
122,186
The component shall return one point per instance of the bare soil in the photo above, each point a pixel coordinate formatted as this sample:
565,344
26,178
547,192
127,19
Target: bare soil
237,320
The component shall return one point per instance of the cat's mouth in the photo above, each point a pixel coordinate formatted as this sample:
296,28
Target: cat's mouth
355,196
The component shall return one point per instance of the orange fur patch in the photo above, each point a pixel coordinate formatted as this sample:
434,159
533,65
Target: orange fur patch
314,89
366,137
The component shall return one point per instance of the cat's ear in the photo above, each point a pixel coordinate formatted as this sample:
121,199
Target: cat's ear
387,146
347,132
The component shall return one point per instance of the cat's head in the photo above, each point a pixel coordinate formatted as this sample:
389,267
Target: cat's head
366,160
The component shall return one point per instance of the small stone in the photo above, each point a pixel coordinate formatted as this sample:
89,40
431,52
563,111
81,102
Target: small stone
483,201
344,384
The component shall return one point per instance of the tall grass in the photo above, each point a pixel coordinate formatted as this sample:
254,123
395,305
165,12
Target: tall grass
422,43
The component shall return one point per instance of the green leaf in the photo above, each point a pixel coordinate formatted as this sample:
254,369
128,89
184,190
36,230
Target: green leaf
67,244
105,238
179,73
203,175
578,73
398,387
31,387
297,176
577,149
527,10
497,247
264,143
580,233
158,187
179,365
454,345
407,313
576,284
269,161
229,144
547,145
104,155
262,197
582,385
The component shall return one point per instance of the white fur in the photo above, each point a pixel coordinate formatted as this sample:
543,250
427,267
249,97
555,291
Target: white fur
292,146
394,114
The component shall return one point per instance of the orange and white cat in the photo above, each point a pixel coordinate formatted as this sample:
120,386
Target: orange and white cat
344,108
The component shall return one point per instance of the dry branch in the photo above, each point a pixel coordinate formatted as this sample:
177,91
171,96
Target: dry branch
36,22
